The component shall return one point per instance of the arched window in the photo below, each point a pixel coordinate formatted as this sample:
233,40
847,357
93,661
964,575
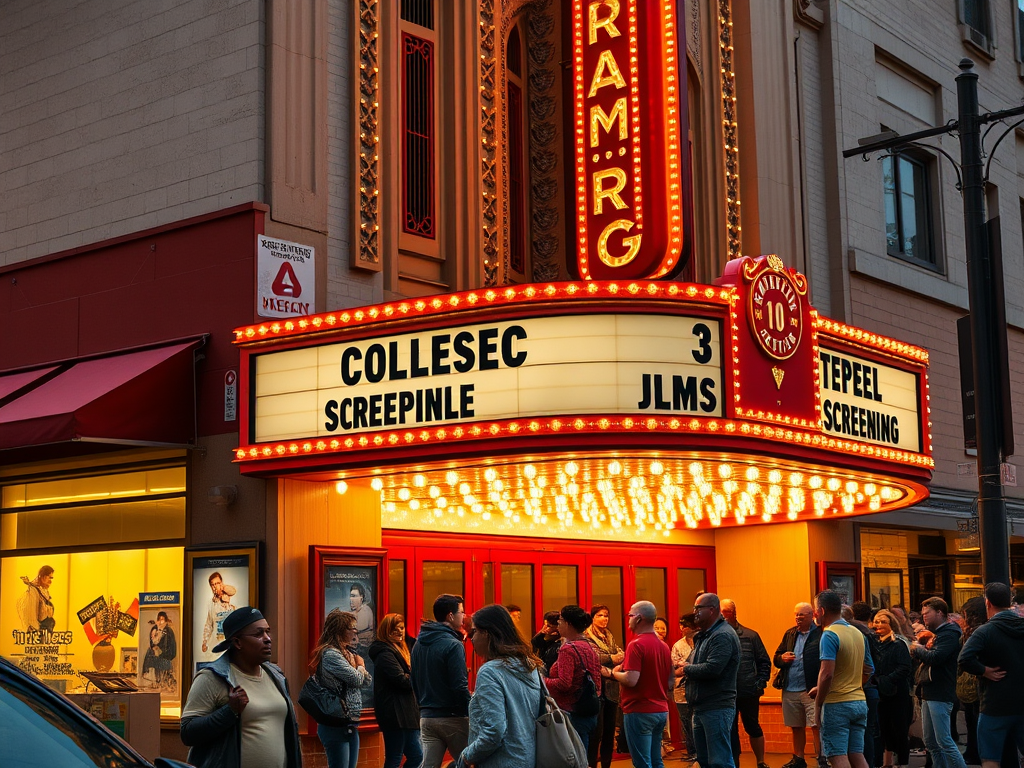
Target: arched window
515,116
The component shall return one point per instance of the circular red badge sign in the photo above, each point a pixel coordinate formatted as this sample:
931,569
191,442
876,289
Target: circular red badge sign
776,313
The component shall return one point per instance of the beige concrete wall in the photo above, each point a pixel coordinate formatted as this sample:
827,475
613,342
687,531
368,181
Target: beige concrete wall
118,116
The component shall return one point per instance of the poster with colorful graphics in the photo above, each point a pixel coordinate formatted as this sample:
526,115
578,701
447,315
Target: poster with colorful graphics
68,613
220,584
159,656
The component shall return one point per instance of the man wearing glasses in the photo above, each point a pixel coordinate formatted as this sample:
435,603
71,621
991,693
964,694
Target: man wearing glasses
710,674
644,675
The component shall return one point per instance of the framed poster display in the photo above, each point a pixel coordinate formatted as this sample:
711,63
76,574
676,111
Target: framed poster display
883,587
843,578
352,580
217,581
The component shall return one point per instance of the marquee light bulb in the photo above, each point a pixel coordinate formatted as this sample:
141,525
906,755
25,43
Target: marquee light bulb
341,486
377,484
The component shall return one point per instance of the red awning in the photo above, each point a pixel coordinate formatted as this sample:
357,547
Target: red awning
12,382
145,397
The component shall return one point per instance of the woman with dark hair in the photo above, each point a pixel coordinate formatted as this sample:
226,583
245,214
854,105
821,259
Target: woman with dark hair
394,702
893,671
343,673
575,658
504,707
974,615
602,742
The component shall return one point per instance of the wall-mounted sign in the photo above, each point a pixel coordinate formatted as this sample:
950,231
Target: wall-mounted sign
870,402
632,180
285,278
579,364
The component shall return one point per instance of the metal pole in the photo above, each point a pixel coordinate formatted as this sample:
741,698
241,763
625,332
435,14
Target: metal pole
995,544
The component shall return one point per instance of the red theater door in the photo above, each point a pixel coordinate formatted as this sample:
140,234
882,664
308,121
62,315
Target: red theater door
540,575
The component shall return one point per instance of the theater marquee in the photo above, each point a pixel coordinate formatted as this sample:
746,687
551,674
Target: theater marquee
741,397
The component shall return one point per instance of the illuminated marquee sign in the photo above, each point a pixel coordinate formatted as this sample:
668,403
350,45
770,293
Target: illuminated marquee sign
535,366
632,180
867,401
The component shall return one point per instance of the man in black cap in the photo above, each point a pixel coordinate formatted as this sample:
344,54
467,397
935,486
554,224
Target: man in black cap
238,711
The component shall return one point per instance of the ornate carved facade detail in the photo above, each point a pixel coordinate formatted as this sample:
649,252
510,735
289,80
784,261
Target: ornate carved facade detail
810,14
368,119
488,154
694,42
729,128
545,177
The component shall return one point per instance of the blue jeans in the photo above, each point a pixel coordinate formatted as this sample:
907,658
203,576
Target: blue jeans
643,734
712,730
937,739
341,745
402,742
584,727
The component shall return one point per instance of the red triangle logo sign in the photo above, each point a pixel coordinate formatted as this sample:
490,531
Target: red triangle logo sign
286,283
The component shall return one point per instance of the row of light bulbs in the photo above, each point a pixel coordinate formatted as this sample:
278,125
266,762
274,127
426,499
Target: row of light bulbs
642,495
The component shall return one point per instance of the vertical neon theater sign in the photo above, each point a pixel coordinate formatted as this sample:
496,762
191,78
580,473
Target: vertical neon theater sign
633,205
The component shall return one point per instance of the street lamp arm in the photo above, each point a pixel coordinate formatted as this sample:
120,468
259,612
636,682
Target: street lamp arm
898,141
995,146
992,117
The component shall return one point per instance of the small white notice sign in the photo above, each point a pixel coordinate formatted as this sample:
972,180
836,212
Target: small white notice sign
230,396
285,278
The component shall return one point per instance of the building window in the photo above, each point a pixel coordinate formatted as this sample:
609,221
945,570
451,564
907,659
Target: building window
976,25
905,187
418,136
517,221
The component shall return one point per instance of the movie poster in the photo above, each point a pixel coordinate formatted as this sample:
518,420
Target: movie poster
220,584
159,655
351,588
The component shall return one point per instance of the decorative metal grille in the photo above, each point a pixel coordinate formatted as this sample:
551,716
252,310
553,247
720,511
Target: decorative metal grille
419,12
418,136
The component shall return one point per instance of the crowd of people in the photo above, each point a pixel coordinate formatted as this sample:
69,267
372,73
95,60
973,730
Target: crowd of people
858,679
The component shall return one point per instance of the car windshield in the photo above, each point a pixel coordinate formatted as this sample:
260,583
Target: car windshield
34,734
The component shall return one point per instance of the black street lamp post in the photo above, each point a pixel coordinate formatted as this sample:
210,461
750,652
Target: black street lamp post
988,344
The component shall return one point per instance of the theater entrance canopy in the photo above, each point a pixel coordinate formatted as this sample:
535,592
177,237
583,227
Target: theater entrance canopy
609,409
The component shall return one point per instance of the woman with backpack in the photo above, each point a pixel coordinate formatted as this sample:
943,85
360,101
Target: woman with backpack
575,679
507,698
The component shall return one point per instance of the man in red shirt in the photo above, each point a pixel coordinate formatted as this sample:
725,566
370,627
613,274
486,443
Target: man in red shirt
644,676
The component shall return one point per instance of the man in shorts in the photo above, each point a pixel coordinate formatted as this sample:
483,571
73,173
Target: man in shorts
840,707
994,653
798,662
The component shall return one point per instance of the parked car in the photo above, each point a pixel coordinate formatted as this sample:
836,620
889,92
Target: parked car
40,727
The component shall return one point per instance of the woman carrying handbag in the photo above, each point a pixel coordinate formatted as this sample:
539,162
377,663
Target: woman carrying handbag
343,673
503,710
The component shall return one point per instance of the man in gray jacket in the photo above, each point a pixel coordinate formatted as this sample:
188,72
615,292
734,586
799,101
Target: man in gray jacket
710,674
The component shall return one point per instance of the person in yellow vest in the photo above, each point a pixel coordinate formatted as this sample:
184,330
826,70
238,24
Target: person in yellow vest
840,707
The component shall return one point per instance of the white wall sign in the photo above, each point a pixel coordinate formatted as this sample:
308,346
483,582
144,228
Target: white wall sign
285,278
868,401
540,366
